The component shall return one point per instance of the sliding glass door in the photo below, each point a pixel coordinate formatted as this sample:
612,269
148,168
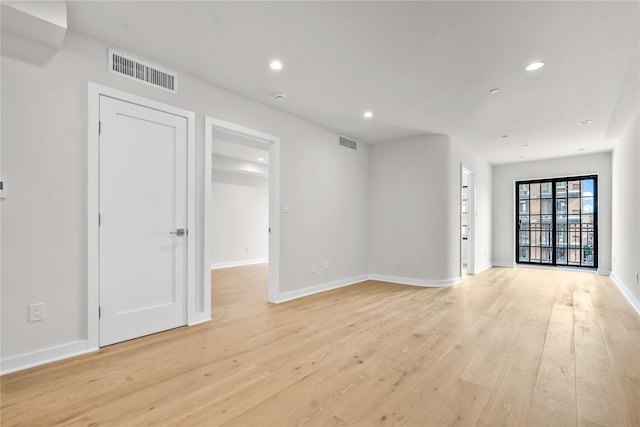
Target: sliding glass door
556,221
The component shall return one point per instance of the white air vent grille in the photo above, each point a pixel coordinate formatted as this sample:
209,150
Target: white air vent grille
141,71
346,142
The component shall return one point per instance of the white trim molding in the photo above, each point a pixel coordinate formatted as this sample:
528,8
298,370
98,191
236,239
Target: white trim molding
503,264
47,355
300,293
288,296
635,303
429,283
230,264
483,268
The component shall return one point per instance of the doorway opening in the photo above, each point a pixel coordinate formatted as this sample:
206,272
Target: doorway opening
467,221
241,201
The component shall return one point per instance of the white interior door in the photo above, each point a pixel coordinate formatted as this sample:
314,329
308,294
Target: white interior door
143,218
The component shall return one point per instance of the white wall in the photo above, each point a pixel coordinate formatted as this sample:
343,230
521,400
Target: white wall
504,178
43,229
415,209
409,207
240,218
328,218
626,213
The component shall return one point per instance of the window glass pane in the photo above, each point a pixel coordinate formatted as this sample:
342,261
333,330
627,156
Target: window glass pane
561,240
524,238
546,190
545,235
574,256
534,206
561,256
561,189
546,206
561,205
524,254
523,190
587,188
574,205
535,191
587,205
535,254
535,236
587,256
574,188
524,206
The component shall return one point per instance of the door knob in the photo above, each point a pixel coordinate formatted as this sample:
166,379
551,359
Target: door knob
178,232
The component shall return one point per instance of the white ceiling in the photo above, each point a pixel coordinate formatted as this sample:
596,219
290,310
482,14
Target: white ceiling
421,67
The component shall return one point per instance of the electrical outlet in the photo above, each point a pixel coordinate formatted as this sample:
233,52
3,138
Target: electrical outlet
313,268
326,265
636,277
398,261
36,312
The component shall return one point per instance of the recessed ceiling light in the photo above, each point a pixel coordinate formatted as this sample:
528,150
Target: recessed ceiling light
580,149
280,97
260,159
275,65
584,122
367,114
494,91
506,135
521,157
534,66
525,146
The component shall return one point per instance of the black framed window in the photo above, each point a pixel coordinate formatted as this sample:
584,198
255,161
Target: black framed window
557,221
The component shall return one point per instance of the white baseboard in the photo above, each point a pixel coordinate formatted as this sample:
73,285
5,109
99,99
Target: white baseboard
197,320
483,268
416,282
602,272
47,355
635,303
503,264
239,263
288,296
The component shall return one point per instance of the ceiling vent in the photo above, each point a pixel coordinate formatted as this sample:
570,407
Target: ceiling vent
135,69
346,142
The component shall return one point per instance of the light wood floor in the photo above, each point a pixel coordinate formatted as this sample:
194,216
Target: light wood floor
507,347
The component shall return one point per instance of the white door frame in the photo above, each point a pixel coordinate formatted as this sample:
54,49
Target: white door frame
273,143
471,209
93,198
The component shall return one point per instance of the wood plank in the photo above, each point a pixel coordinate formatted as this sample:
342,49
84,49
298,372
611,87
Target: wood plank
506,347
598,395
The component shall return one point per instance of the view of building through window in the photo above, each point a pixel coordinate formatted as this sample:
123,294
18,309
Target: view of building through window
556,221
